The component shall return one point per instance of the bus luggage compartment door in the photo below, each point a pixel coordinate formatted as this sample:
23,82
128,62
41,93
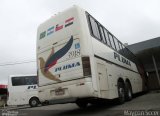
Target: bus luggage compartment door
103,79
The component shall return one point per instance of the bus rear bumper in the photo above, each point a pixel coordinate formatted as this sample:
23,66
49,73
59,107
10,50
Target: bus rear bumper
69,93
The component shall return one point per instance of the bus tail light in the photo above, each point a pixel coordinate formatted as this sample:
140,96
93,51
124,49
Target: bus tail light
86,66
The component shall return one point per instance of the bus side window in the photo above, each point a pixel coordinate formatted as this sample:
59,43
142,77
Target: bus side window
102,34
107,38
94,28
130,55
116,43
126,54
121,49
112,41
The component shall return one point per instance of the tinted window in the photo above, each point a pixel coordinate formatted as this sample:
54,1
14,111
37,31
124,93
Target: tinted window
30,80
124,50
111,40
126,53
102,34
107,38
131,56
116,43
27,80
94,26
99,32
16,81
121,49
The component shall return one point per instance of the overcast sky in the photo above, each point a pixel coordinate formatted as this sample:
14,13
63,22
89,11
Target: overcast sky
131,21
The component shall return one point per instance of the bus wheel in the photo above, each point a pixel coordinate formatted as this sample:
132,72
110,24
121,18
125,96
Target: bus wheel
128,91
33,102
81,104
121,93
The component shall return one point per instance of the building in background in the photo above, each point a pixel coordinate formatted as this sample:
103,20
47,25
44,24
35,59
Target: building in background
149,54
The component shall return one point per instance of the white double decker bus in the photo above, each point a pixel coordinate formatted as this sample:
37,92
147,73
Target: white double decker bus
79,60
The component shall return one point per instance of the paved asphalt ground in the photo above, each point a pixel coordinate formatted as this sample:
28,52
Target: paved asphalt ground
142,105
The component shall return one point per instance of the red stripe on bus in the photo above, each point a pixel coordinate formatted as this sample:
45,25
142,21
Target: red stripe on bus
70,19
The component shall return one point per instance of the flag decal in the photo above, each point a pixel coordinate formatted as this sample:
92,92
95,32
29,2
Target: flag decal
50,30
69,21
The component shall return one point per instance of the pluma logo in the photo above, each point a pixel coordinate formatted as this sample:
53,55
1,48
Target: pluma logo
52,60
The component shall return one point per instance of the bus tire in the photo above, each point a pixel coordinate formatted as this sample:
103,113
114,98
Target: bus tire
121,93
81,104
128,90
33,102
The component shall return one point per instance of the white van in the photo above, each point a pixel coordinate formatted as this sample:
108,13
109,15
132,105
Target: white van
22,90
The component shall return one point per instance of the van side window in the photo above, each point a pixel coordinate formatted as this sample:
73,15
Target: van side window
25,80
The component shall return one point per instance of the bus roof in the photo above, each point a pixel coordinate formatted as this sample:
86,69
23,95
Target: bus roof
60,13
22,75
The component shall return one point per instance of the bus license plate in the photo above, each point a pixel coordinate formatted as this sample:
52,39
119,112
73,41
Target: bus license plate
59,91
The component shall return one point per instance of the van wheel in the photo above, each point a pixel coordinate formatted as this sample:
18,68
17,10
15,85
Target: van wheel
121,93
128,92
33,102
81,104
